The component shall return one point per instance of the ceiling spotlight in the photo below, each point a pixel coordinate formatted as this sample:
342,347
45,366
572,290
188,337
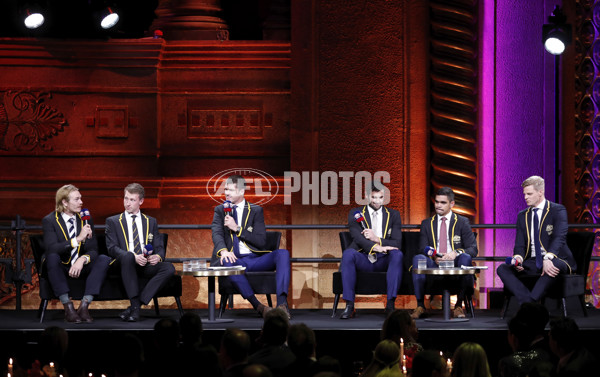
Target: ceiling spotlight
33,20
108,18
557,34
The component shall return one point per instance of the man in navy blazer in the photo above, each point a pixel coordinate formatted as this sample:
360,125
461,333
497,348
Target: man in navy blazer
239,237
456,244
540,244
72,255
132,238
376,232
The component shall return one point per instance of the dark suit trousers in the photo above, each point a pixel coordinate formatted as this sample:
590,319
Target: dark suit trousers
278,260
466,281
354,261
94,274
510,277
158,274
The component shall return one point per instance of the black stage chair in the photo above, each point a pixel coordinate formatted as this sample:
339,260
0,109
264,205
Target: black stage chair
112,289
374,283
581,245
262,282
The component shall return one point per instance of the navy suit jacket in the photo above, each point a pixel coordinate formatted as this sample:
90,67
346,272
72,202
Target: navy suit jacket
553,233
252,231
459,229
117,237
391,229
56,238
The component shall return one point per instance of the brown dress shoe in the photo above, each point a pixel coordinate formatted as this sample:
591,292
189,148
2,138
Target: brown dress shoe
458,312
83,312
71,314
419,312
286,309
263,310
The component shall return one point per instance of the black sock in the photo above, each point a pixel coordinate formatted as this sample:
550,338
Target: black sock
421,302
254,301
349,303
135,302
391,303
282,299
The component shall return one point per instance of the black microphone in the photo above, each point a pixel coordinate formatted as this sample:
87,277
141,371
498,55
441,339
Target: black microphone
360,219
85,215
512,261
148,250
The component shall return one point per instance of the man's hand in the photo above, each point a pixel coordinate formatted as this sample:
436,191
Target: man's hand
519,267
451,255
76,268
228,256
230,223
153,259
140,259
86,232
383,249
370,235
549,268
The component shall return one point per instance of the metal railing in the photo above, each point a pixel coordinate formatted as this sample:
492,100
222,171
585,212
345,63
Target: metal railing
18,276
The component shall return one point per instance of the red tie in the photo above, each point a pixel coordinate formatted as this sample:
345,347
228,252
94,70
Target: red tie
443,237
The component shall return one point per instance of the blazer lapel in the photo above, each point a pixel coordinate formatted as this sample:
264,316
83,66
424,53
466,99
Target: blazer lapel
145,221
123,222
367,217
384,221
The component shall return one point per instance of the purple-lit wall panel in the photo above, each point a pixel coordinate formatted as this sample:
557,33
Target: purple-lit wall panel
516,115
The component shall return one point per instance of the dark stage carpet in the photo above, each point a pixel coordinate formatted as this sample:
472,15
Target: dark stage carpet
347,340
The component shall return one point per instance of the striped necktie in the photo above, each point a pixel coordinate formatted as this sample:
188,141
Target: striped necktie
136,236
236,241
71,236
539,259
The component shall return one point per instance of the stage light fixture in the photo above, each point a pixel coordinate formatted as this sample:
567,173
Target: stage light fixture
108,18
33,16
557,34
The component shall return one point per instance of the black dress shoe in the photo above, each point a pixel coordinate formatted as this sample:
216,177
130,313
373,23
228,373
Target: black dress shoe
349,312
84,313
70,313
125,314
134,314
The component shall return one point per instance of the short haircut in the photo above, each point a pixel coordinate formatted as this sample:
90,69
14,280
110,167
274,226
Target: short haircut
397,325
535,315
522,331
301,340
236,343
237,180
275,328
376,186
425,362
446,191
536,181
565,332
63,194
135,188
190,326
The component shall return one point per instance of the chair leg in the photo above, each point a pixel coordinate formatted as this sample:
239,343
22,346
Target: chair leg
179,306
156,309
223,304
42,310
505,306
269,301
336,301
469,304
564,306
230,301
582,303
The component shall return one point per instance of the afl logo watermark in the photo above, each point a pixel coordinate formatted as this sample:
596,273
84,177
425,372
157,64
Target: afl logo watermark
259,184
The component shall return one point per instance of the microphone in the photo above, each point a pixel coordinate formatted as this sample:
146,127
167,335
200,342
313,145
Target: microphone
148,250
85,215
360,219
430,251
512,261
227,207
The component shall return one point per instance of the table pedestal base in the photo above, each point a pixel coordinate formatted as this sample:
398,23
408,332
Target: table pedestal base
211,305
446,309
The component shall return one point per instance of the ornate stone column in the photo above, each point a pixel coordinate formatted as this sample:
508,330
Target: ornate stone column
190,20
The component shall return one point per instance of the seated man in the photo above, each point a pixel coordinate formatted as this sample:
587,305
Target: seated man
132,238
376,239
540,245
72,253
239,237
445,236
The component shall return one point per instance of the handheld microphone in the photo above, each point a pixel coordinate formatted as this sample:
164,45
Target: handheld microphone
430,251
360,219
148,250
227,207
512,261
85,215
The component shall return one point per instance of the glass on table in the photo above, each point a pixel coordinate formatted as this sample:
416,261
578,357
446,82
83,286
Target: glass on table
422,263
